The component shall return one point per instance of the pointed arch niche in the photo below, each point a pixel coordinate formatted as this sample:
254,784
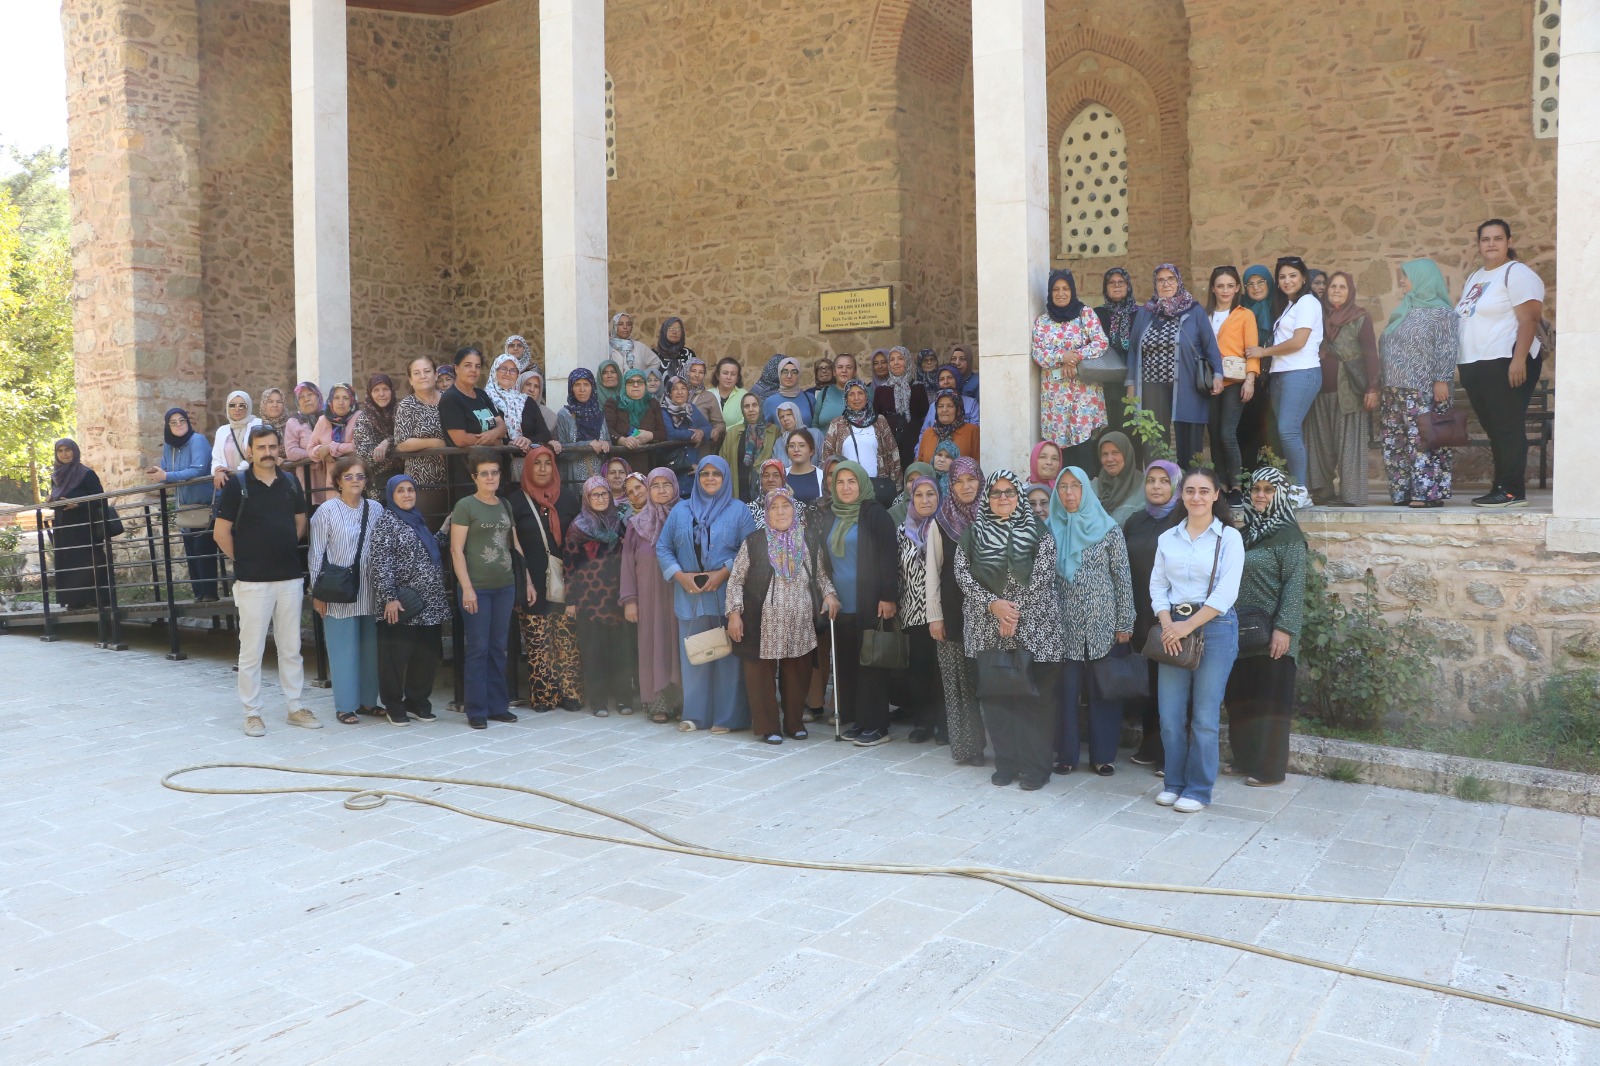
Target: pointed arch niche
1093,167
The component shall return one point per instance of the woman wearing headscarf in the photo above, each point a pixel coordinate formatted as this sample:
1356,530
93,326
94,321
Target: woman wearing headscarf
788,391
1174,365
902,502
629,353
1095,586
230,448
634,418
274,410
862,436
789,420
408,589
417,429
509,401
916,536
581,425
672,350
185,456
767,383
300,425
747,445
1260,693
549,639
341,535
332,440
857,548
1193,587
616,479
695,552
1419,348
1319,283
592,561
517,348
647,599
1005,565
1117,484
772,617
77,531
958,674
635,495
770,476
1045,463
880,367
530,384
1255,416
1064,336
608,382
1142,531
1116,314
685,425
903,401
1336,431
949,424
949,380
928,370
943,456
374,435
708,401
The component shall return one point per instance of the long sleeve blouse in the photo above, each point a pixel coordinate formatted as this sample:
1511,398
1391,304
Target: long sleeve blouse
1097,603
577,460
838,443
336,531
322,486
230,448
1069,411
1275,581
191,461
593,575
367,439
1422,349
782,623
297,440
400,560
675,551
1039,609
1182,570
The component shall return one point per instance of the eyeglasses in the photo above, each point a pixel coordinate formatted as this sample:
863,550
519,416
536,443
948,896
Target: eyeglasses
1003,494
353,477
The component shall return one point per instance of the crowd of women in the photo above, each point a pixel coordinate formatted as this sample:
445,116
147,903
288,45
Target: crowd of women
672,543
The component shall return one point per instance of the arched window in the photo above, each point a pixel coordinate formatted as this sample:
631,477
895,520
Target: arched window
1546,66
1094,184
611,128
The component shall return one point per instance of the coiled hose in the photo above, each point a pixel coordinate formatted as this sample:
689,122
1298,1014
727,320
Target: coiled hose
362,798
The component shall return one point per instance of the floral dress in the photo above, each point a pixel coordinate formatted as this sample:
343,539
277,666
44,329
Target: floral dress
1069,412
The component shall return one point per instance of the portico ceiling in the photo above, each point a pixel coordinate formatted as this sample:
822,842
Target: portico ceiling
420,7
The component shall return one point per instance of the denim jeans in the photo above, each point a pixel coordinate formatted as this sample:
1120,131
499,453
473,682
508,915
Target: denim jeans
200,551
1191,708
484,671
352,645
1293,393
1105,717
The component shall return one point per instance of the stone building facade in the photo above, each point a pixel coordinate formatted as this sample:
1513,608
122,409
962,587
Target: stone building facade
765,151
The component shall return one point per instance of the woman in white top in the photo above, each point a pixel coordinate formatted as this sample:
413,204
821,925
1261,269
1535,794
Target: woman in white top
1296,359
341,535
230,450
1193,586
1500,356
863,436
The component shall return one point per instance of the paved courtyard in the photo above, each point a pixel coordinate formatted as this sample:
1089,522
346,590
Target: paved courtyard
140,925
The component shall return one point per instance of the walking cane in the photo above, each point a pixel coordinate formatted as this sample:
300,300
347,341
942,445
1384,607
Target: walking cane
833,667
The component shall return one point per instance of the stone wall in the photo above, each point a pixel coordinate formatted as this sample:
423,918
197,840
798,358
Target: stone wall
1506,610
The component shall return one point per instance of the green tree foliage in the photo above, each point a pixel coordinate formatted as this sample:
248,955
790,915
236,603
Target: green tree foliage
37,391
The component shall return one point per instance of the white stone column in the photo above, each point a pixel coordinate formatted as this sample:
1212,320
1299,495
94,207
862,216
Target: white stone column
1576,522
572,167
1010,120
319,94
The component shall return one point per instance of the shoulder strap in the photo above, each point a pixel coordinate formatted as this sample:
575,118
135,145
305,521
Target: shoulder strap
1216,557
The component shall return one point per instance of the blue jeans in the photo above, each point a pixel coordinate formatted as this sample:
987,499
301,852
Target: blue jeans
1293,392
200,551
484,671
1191,709
353,660
1105,718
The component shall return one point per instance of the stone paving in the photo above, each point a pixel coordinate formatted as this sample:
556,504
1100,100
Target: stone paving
140,925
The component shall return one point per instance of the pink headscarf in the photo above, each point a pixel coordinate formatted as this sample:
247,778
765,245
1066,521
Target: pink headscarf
652,516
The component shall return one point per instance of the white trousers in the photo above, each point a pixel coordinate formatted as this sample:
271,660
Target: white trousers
274,603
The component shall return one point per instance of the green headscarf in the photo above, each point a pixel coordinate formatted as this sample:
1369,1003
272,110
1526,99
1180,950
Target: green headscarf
602,393
902,502
635,408
1262,309
1428,289
845,514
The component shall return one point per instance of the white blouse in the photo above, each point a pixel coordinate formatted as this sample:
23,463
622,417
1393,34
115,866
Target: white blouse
862,447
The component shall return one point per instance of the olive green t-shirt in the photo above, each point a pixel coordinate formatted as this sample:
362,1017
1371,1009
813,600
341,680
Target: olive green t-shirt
488,549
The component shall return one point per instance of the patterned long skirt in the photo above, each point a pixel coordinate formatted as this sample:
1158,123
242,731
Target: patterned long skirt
555,673
963,718
1414,472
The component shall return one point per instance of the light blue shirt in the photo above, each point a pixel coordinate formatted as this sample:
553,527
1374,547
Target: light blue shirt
1183,568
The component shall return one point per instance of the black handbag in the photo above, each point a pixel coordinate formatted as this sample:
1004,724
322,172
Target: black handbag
519,565
411,605
1121,675
1255,630
1003,674
341,584
885,649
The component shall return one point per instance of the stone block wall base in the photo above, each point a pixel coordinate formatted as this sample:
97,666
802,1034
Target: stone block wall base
1426,771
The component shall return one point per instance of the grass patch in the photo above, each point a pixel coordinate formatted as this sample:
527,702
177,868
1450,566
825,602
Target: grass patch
1473,789
1346,772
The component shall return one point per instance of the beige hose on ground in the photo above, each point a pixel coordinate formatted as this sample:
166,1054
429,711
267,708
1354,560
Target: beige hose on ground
365,799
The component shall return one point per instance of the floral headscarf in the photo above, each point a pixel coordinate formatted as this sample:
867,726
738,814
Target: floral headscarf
866,416
784,548
1118,314
522,360
954,517
604,526
510,401
587,417
1177,303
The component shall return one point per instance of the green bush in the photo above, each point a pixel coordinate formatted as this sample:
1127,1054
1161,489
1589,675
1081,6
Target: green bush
1569,702
1358,666
1144,427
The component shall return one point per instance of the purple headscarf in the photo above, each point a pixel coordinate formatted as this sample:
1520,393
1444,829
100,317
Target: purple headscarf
917,528
652,516
1175,305
954,517
1175,476
603,526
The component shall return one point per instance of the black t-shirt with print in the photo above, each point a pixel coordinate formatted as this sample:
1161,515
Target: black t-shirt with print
471,414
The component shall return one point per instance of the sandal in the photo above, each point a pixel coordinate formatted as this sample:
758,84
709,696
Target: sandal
349,717
773,738
799,734
718,730
601,712
1105,769
686,726
1063,769
661,717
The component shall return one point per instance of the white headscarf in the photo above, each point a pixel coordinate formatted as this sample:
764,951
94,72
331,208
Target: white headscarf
509,401
527,351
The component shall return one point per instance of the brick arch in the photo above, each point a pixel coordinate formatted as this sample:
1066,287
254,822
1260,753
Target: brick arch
930,37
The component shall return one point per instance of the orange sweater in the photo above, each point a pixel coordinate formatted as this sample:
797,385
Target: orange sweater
966,438
1238,332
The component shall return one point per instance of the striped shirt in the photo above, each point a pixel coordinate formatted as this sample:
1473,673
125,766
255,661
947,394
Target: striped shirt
336,529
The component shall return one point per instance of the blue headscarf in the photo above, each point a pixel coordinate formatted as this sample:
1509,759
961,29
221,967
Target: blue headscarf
707,511
1076,532
587,417
410,518
1262,308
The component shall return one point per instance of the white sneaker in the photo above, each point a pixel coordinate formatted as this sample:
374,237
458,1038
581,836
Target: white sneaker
304,719
1188,806
1167,799
254,726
